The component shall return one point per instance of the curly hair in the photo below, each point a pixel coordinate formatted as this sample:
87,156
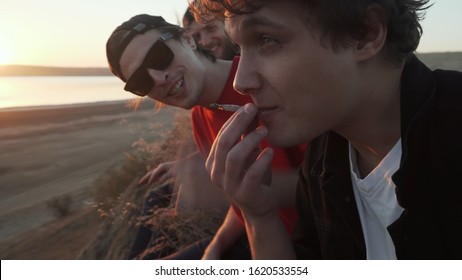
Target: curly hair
339,20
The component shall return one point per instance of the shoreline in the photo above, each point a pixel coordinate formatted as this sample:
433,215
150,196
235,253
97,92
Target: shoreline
38,115
62,106
52,151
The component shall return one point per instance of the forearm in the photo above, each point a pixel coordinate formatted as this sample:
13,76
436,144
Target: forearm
269,239
230,230
225,237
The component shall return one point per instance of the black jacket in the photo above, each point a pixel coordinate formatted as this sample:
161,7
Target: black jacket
428,182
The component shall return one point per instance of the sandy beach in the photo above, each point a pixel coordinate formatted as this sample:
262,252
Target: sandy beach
48,152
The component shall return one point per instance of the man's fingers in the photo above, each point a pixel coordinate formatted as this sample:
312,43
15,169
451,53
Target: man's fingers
242,156
258,171
164,178
145,178
226,139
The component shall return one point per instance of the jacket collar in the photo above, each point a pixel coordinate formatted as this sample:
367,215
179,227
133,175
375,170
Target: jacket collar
417,86
332,166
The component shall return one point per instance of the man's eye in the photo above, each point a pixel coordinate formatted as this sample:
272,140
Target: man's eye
211,28
267,39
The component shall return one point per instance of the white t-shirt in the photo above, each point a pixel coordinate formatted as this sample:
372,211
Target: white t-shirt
377,204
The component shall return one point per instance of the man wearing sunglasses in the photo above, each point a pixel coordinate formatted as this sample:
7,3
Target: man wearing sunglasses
211,36
162,61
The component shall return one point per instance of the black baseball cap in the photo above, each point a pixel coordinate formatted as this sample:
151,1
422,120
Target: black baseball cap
138,24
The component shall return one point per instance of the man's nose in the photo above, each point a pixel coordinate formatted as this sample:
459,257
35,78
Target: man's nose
160,77
247,78
206,40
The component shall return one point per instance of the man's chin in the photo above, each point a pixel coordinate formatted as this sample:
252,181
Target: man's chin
275,139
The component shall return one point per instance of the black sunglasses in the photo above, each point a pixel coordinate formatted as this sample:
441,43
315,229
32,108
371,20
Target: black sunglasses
159,57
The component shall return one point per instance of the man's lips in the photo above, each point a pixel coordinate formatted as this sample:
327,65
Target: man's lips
263,109
176,88
265,114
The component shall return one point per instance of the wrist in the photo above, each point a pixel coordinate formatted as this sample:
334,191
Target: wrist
269,238
268,221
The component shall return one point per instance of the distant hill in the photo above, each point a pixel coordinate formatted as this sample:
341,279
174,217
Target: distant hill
27,70
443,60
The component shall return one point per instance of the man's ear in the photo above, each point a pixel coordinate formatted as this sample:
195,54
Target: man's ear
189,40
375,36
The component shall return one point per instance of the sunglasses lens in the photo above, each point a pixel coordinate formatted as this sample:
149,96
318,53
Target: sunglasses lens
140,83
159,56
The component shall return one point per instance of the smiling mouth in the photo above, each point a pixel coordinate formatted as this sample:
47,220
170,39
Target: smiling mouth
177,88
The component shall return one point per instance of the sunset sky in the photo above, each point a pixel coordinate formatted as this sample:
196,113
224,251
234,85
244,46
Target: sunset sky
74,33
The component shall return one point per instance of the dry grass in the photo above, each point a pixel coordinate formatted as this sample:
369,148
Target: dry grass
119,198
177,230
60,206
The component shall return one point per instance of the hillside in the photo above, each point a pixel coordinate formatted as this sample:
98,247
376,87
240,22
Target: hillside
444,60
27,70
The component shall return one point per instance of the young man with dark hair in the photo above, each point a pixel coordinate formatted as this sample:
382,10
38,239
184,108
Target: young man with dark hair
379,179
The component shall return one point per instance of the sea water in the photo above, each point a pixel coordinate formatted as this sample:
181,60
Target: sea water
24,91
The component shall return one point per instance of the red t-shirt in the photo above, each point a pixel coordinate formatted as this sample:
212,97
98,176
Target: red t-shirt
207,123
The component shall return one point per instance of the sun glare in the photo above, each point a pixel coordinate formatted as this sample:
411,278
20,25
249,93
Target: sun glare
6,52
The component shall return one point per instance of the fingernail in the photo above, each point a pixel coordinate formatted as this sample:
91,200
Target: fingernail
261,130
249,108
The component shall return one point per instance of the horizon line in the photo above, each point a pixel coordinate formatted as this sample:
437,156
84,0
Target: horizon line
106,66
